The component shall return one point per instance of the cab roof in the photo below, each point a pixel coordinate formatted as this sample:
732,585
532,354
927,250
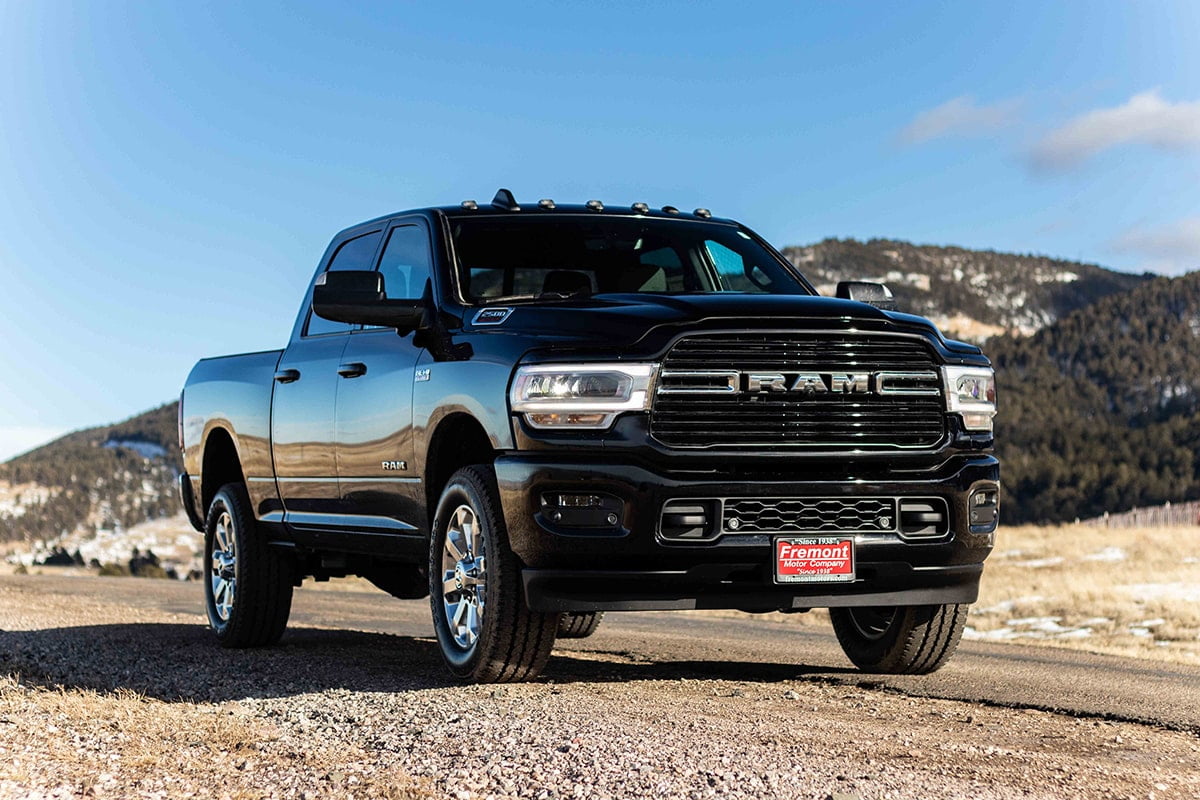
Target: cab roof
505,203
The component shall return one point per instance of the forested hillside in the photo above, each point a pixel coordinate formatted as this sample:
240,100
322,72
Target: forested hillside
119,474
1101,411
972,294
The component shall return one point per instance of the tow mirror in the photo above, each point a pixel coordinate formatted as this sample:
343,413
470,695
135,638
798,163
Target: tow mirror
875,294
360,297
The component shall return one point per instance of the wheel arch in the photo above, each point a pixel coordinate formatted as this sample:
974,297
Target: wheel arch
459,440
220,464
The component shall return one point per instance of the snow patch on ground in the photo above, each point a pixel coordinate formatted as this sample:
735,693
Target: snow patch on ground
1006,606
1041,563
1110,554
1187,592
1030,628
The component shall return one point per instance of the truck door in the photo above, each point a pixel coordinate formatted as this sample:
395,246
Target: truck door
379,481
303,403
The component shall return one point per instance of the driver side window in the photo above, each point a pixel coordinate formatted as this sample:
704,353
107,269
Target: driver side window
405,265
353,254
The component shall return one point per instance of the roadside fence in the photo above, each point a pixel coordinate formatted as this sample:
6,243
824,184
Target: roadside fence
1166,515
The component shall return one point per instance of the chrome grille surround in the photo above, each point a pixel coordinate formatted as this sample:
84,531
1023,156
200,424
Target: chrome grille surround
822,390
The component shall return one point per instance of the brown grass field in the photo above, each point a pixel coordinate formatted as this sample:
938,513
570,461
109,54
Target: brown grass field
1132,592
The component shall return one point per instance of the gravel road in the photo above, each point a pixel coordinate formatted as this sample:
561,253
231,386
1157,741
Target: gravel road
355,702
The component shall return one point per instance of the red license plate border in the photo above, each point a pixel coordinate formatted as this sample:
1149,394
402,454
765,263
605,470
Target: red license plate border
840,576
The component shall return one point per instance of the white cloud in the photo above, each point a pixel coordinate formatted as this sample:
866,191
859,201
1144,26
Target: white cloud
16,440
958,117
1145,119
1173,248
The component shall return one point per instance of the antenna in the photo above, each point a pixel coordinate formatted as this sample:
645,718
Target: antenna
504,199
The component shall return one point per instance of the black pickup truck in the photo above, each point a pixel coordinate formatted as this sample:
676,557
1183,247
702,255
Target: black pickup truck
535,415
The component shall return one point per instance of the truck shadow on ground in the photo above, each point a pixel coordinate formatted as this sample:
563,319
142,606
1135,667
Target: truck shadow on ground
177,662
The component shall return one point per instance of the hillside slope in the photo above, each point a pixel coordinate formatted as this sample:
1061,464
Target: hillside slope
971,294
1101,410
112,475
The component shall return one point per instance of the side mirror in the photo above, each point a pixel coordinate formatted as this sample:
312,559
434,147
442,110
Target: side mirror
359,297
875,294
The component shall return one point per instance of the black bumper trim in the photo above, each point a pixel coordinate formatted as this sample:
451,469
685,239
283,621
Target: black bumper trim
557,590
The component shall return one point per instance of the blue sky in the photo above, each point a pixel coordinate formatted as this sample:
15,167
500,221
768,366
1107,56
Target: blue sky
170,172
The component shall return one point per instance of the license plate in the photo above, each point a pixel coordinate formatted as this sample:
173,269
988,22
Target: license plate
814,559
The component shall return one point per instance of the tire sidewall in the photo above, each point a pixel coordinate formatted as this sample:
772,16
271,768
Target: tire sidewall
871,654
461,490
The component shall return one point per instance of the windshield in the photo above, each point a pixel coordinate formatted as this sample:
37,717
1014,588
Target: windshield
506,258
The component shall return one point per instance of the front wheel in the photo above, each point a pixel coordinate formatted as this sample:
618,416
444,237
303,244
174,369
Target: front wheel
248,586
486,631
899,640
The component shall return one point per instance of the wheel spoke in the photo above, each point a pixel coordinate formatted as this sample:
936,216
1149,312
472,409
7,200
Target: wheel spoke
472,628
453,548
460,610
449,585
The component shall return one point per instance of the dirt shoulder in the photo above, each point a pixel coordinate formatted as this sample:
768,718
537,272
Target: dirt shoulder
149,706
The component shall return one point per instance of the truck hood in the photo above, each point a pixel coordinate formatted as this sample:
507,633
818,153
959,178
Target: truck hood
625,318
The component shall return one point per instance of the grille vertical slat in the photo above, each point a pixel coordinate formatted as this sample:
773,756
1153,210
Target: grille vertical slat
831,421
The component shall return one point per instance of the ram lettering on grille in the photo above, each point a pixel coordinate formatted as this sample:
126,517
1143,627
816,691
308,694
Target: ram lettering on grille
835,391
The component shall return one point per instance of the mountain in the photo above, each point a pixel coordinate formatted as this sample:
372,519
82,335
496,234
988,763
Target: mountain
972,294
1101,410
100,478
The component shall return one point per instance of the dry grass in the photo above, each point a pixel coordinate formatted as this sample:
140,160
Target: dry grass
68,742
1125,591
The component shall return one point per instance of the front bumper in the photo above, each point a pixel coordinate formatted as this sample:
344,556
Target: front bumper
631,566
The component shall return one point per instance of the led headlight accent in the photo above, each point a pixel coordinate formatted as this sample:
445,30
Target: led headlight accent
576,396
971,392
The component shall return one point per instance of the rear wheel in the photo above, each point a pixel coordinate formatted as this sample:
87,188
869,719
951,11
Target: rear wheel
248,586
579,625
485,629
912,640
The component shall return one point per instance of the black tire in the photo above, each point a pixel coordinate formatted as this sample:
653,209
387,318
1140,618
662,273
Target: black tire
579,625
249,599
899,640
509,643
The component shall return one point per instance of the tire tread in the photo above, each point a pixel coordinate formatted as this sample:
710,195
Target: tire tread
263,601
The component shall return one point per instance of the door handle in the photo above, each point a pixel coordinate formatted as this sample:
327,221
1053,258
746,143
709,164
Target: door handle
287,376
352,370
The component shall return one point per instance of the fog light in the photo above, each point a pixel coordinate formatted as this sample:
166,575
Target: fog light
984,507
580,510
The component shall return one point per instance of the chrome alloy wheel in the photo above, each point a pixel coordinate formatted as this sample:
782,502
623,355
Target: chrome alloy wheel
464,577
223,568
872,623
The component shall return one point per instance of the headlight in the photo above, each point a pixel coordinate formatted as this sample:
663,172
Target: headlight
580,395
971,392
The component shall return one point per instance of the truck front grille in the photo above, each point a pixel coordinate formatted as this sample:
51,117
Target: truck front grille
810,515
703,398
